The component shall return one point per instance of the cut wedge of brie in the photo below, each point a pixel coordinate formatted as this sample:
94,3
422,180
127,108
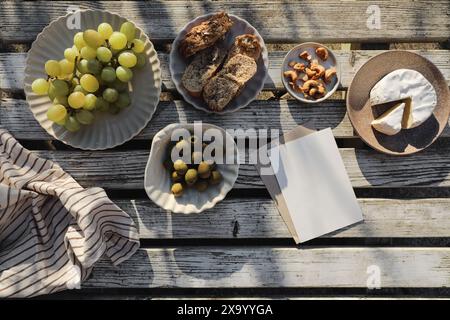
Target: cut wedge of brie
390,122
413,88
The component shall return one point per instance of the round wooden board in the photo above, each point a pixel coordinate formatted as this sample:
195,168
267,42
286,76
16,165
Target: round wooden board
361,113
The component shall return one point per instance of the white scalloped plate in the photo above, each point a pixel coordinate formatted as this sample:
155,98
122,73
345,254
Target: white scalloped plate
178,64
108,130
157,182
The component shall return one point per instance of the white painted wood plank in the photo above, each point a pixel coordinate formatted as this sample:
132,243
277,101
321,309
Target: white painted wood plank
259,218
231,267
289,21
12,66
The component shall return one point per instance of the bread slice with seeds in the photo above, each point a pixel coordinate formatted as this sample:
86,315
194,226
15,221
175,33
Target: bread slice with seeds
201,69
227,84
219,91
205,34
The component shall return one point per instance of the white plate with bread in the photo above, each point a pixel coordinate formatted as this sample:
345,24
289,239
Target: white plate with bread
219,63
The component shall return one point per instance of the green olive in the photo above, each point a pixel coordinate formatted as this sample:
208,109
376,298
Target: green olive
176,177
212,164
197,157
177,189
215,177
190,177
201,185
204,170
180,167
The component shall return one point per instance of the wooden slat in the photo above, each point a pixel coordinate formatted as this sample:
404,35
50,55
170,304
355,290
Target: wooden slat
12,66
259,218
230,267
282,115
288,21
366,168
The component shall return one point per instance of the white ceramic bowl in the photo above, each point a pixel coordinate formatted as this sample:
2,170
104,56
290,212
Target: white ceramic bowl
157,181
108,130
330,62
178,64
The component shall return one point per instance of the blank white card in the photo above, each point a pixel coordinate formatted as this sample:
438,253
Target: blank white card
315,185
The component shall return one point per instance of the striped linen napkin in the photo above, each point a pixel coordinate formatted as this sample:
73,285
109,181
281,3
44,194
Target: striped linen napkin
52,230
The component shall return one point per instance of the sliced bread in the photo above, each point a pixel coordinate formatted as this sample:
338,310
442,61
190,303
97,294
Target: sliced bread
219,91
246,44
205,34
201,69
242,67
223,87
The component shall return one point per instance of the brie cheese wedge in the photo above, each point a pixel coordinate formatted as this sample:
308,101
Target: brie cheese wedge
390,122
413,88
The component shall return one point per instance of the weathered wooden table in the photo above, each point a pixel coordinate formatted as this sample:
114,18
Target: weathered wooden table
242,247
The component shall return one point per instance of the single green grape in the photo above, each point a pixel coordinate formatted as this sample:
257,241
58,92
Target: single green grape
137,45
104,54
118,40
79,88
56,112
94,66
66,66
88,53
108,74
124,74
111,95
123,100
105,30
82,66
72,124
61,100
89,83
141,60
52,68
62,121
119,85
78,40
90,102
40,86
92,38
129,30
76,100
71,54
127,59
84,117
101,104
58,88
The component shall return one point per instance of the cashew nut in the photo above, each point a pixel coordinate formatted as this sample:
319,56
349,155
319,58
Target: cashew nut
310,73
299,66
329,73
318,69
322,53
305,55
313,87
305,78
292,63
291,74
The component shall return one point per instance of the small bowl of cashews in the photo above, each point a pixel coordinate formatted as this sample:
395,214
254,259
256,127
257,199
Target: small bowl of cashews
310,72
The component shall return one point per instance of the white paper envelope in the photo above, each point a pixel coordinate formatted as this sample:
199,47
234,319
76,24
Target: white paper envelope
315,185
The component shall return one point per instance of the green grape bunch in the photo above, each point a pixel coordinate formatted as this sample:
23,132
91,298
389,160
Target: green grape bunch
93,76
